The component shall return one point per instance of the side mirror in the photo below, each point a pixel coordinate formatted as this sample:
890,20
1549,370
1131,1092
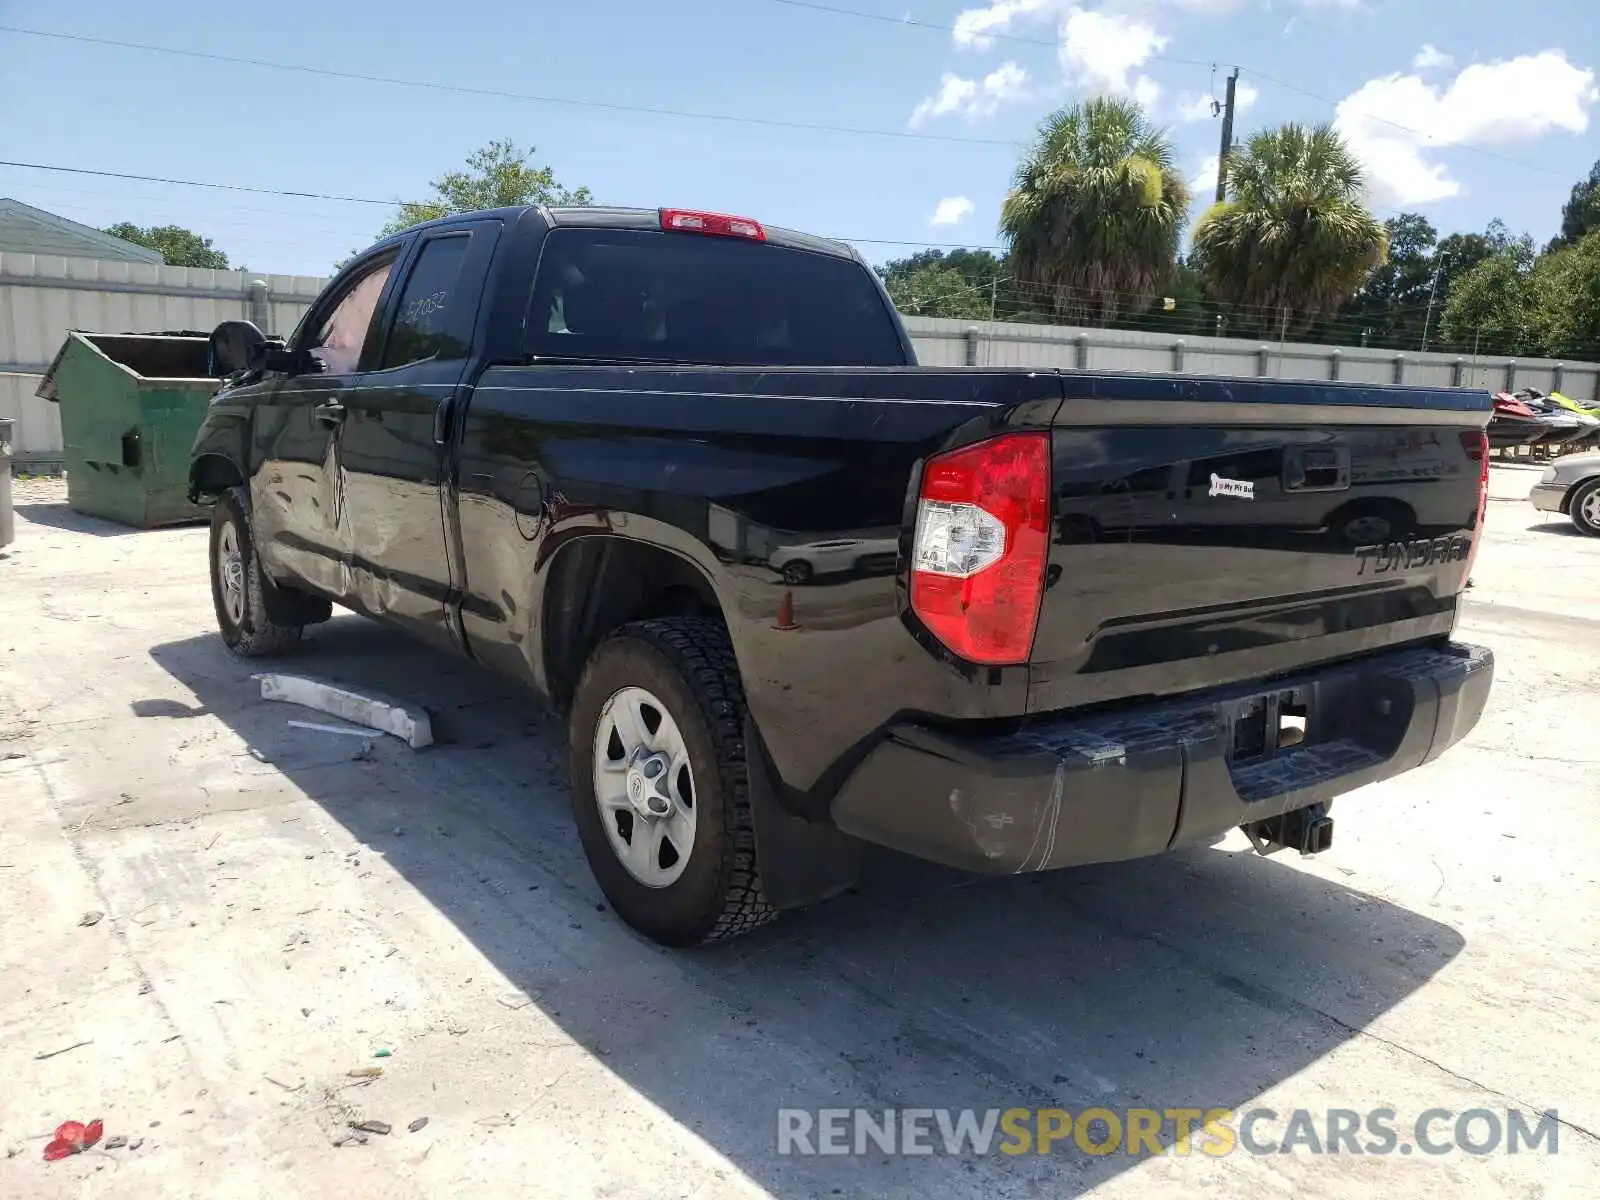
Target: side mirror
273,356
233,344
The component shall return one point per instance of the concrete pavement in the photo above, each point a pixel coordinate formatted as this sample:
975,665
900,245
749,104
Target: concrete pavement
276,912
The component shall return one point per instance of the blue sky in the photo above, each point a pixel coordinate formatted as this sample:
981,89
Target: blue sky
1485,86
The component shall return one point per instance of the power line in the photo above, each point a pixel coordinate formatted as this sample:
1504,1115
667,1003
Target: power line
1020,287
53,190
226,187
266,191
464,90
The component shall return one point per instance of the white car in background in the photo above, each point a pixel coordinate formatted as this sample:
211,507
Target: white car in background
1571,487
799,563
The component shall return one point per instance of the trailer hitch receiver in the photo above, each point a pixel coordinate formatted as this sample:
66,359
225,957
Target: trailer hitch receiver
1308,830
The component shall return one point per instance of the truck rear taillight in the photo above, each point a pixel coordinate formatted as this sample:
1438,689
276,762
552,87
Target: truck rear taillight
1477,447
683,220
981,544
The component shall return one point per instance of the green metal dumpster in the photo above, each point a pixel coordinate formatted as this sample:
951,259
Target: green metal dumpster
131,405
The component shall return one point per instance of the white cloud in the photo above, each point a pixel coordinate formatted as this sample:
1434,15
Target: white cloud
1098,48
952,210
1509,101
1101,50
974,25
1196,106
1204,183
1006,84
1427,58
953,94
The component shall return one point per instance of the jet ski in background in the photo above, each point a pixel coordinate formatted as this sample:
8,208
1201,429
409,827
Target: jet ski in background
1559,424
1515,423
1588,431
1591,440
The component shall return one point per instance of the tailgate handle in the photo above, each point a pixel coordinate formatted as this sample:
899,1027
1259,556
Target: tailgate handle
1316,469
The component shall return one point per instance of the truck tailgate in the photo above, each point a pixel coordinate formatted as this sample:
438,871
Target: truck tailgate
1211,531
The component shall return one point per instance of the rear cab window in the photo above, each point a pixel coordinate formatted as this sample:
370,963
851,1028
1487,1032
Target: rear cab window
647,295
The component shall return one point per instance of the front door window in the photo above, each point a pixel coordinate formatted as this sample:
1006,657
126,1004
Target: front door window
337,347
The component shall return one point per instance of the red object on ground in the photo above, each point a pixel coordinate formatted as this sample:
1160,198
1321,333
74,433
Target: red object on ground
73,1137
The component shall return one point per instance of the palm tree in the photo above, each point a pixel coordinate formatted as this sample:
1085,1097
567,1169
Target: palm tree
1096,210
1294,239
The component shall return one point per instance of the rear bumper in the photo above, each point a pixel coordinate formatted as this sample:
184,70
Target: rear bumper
1548,497
1070,790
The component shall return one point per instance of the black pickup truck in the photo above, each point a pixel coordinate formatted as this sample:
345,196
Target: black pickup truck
681,475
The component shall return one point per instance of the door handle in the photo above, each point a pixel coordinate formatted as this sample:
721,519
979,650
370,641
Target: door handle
329,413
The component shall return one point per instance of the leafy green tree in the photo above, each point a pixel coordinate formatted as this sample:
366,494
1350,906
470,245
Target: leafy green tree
1095,211
178,247
498,176
1490,308
980,285
938,291
1460,252
1392,304
1580,216
1294,239
1564,297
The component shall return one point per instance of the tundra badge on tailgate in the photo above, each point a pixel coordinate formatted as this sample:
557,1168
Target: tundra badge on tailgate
1244,489
1415,552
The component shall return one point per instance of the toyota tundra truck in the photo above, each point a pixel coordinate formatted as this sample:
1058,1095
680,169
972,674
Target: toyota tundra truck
1094,616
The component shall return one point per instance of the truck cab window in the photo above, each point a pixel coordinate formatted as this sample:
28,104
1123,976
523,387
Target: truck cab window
336,348
422,317
628,293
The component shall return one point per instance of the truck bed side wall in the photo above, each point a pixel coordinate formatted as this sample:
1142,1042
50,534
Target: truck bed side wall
751,476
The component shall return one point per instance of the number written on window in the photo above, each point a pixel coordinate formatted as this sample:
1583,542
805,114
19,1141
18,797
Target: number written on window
423,326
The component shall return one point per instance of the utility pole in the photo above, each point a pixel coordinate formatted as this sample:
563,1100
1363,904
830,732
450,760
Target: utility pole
1427,318
1227,138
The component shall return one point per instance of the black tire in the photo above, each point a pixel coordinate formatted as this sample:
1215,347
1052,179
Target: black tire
797,572
688,663
1583,495
249,632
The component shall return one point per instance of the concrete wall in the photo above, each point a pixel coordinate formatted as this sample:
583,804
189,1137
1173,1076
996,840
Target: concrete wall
42,297
950,343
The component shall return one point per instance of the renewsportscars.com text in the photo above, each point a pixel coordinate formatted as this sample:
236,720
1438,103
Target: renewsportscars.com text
1173,1131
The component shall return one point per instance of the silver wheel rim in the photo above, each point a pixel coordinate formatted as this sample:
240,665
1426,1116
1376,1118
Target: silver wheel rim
230,571
1590,508
644,787
1364,529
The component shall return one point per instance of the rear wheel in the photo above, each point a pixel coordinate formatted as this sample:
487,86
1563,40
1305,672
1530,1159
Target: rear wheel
660,791
797,572
1585,508
237,584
